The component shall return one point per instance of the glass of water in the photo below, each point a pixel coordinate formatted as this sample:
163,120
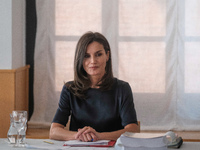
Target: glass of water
20,124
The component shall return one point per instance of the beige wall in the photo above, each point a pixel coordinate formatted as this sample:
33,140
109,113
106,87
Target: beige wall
12,31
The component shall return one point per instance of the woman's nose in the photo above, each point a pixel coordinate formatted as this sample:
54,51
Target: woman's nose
93,59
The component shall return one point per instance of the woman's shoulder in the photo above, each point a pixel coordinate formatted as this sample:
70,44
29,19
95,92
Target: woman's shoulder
66,92
69,82
118,83
67,85
122,88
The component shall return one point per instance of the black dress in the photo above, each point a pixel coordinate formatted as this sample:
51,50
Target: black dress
104,111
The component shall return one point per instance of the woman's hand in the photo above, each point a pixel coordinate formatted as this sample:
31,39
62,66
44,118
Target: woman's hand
87,134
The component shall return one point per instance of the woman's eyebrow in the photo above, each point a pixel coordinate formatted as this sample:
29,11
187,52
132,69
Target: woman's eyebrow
95,52
99,51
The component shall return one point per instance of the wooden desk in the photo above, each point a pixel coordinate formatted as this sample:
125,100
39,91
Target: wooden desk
14,87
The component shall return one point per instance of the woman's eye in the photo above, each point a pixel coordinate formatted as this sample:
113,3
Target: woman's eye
86,56
99,54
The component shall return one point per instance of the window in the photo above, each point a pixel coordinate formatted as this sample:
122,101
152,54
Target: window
155,47
143,38
86,16
191,46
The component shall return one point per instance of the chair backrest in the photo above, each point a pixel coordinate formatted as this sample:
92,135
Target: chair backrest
138,126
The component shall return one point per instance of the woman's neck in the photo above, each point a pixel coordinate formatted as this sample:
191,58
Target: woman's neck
94,81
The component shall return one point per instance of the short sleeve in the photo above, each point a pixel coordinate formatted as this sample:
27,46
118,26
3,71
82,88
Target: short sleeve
127,109
63,111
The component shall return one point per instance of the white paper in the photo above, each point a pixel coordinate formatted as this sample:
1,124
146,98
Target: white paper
77,142
143,135
149,140
50,146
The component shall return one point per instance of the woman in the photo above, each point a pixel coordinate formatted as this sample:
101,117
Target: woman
100,106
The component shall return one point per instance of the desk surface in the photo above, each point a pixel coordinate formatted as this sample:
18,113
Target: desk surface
4,145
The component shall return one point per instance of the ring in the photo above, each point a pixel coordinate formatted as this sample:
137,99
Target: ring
92,140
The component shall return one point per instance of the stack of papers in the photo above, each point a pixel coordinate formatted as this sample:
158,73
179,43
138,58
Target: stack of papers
100,143
141,141
150,141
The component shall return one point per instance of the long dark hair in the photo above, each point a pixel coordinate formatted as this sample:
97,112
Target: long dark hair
81,81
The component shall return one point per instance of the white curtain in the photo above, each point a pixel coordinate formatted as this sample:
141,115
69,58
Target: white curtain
155,46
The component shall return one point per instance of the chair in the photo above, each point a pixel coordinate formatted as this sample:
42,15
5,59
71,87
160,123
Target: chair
138,126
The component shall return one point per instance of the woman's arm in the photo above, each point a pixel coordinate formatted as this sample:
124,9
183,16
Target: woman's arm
57,132
114,135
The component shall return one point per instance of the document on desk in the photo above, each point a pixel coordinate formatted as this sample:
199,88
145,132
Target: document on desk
48,147
99,143
141,141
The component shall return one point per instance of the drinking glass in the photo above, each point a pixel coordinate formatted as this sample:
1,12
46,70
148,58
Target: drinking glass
19,122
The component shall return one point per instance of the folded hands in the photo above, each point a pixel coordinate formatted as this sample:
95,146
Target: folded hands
87,134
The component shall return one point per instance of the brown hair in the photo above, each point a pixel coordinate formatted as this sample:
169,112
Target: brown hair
81,81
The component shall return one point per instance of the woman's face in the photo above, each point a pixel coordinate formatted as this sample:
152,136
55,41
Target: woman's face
95,59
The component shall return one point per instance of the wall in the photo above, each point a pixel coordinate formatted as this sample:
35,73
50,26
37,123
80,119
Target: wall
6,34
12,31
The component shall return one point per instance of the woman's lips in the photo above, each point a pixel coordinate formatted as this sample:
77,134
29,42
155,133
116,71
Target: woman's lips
93,67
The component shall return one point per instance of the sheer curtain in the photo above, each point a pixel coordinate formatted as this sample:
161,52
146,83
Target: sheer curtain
155,46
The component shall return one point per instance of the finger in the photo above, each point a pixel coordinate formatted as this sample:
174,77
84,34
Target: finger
89,137
80,131
81,138
85,137
89,129
94,137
